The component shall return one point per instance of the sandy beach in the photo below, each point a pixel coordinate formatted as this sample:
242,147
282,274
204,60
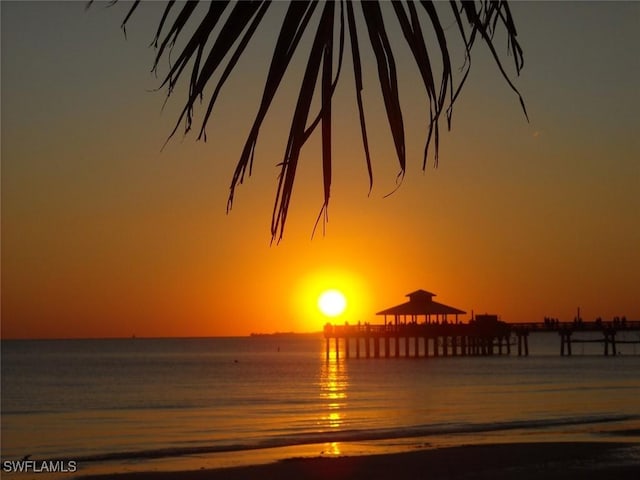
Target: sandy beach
548,461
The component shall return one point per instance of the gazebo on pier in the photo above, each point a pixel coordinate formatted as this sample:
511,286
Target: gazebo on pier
421,325
421,304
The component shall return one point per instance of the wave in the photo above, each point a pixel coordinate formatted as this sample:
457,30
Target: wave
256,401
95,409
355,435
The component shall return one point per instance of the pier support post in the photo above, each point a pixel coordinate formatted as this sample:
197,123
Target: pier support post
327,340
613,344
357,347
519,344
523,343
337,347
565,340
346,346
367,346
610,337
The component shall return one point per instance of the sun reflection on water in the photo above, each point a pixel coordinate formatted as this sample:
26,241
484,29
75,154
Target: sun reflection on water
333,393
332,448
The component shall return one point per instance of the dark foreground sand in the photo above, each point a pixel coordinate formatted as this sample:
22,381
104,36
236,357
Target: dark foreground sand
520,461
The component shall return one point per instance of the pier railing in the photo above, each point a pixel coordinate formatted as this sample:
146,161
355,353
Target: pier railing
594,326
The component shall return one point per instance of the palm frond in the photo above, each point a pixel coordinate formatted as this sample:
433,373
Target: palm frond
387,75
472,19
357,72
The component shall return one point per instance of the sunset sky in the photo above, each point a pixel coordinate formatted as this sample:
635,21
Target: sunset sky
105,235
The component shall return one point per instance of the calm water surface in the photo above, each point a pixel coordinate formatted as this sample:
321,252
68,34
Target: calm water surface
127,399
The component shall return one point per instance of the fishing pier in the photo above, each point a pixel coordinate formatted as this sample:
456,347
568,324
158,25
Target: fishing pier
422,327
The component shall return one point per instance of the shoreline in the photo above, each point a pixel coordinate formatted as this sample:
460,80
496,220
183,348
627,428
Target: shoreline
496,461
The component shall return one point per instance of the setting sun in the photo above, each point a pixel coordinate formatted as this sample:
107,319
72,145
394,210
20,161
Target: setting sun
332,302
332,294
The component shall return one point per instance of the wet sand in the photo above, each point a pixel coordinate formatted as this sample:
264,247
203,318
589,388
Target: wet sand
522,461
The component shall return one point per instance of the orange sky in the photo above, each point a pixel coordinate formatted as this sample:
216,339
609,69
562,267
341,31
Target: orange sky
104,235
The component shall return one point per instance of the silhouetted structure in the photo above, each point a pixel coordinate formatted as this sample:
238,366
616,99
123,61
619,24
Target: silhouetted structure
566,330
421,304
422,326
422,322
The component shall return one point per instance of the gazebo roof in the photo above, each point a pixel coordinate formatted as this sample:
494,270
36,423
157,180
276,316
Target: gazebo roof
421,303
420,294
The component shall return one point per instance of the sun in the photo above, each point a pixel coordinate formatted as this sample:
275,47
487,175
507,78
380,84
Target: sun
332,294
332,302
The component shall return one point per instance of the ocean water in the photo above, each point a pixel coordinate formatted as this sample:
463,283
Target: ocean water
242,400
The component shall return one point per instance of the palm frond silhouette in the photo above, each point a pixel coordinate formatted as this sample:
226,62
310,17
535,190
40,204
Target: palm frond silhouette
235,24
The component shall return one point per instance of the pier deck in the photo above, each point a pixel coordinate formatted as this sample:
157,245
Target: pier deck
485,337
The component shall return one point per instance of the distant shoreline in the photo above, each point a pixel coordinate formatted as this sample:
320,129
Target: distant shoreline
137,337
524,461
287,334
